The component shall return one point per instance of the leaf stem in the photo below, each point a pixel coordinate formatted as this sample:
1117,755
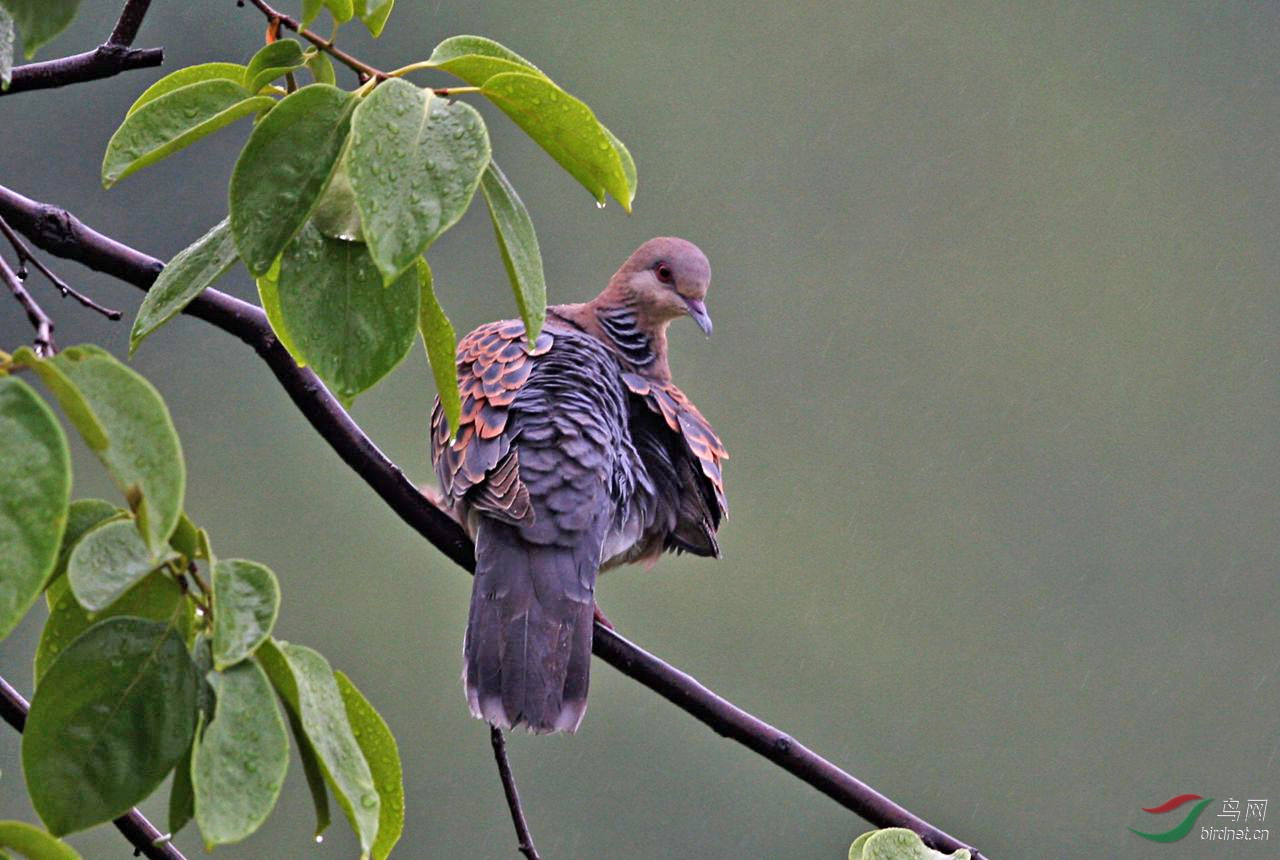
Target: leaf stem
358,66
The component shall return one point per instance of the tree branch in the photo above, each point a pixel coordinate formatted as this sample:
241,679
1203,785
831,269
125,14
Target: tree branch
141,833
60,233
40,320
525,844
25,258
107,60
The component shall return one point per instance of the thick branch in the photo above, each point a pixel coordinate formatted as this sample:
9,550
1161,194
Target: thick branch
60,233
524,839
130,20
107,60
141,833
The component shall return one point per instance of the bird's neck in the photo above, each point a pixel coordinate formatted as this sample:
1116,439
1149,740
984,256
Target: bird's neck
618,321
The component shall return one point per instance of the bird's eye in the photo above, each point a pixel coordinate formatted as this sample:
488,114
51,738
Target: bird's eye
664,273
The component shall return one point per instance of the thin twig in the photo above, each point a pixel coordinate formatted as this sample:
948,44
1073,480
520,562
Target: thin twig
141,833
326,45
361,68
58,232
40,321
112,57
524,838
25,258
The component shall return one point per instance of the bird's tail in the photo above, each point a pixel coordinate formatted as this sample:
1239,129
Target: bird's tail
527,654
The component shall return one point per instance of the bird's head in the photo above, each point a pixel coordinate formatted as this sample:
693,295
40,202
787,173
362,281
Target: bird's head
667,278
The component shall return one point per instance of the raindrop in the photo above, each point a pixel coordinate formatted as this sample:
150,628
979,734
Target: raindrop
319,839
369,800
599,204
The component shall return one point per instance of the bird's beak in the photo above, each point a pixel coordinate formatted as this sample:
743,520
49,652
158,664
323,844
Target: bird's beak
698,310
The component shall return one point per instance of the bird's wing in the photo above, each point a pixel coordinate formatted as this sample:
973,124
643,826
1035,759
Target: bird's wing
494,362
702,503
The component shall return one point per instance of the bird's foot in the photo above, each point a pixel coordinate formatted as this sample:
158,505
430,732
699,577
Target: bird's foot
602,619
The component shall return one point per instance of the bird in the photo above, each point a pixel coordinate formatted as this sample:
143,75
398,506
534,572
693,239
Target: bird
574,455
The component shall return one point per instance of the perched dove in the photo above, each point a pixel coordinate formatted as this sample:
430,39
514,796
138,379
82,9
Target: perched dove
572,457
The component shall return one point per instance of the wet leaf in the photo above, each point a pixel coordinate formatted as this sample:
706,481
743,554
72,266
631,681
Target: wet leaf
283,168
174,120
519,246
441,342
273,60
380,750
114,714
240,761
157,598
246,600
475,59
189,75
340,318
35,495
108,561
414,163
186,276
303,677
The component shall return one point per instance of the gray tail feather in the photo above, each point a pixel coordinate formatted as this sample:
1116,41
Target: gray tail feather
527,653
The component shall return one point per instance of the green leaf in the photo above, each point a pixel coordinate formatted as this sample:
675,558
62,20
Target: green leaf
441,342
415,162
173,121
6,49
340,319
304,679
273,60
375,15
380,750
35,494
190,75
519,246
567,129
321,67
897,843
337,215
122,418
475,59
110,560
186,276
246,600
157,598
83,515
269,295
342,10
283,169
114,714
39,21
240,762
186,538
182,796
310,11
273,662
33,843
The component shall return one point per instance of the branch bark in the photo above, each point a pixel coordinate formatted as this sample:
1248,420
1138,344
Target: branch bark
112,57
524,839
58,232
141,833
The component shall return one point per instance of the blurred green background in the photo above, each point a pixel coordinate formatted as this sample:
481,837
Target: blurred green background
996,350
